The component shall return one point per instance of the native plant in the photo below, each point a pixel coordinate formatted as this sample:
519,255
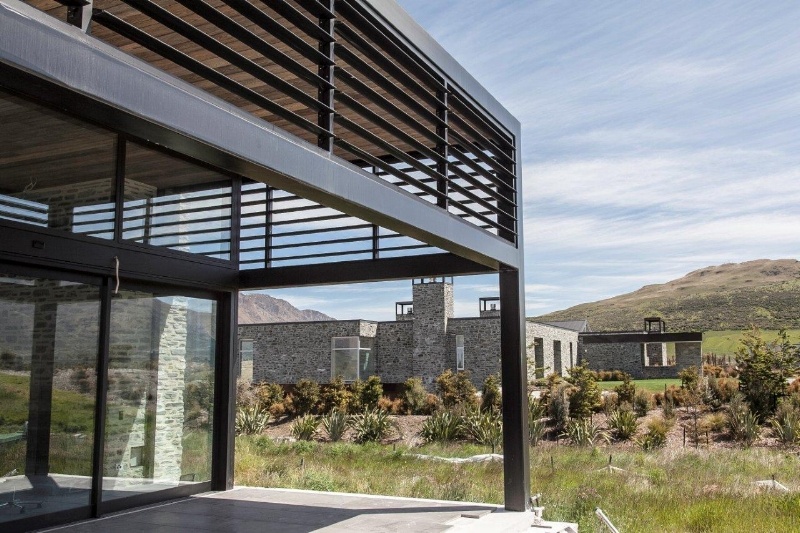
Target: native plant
335,423
456,389
305,397
582,432
490,394
371,425
742,421
251,420
585,398
764,368
414,395
305,427
786,424
485,427
444,426
537,423
623,423
655,436
642,402
625,390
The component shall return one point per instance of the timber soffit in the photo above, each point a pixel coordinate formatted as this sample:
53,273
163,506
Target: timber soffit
50,49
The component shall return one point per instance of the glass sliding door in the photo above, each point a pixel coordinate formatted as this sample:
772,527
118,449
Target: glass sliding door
160,392
49,341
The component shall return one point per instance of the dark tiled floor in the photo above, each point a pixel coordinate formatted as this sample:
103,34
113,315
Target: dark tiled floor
284,511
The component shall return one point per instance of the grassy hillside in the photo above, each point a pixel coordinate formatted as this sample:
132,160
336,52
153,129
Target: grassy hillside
735,296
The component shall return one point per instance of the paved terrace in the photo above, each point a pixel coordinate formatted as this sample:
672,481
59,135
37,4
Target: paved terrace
246,509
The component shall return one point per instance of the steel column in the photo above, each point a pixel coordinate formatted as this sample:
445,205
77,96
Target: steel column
516,460
222,459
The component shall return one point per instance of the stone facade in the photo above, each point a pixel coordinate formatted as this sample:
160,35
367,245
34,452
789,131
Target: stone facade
630,357
550,349
420,344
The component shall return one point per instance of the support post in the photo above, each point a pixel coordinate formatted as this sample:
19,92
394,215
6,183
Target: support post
222,462
79,13
516,460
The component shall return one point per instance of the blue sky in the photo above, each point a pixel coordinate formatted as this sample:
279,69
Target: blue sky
657,138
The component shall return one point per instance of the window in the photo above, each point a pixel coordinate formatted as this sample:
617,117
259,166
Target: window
246,350
352,358
557,357
459,352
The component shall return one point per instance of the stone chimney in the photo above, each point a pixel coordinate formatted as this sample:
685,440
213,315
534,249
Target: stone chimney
432,308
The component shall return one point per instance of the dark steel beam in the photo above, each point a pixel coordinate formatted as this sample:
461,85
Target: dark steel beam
623,337
514,376
385,269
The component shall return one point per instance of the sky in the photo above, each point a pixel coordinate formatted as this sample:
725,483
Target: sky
657,138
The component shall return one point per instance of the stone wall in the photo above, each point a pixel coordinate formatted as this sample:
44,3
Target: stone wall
286,352
433,308
629,357
394,348
541,349
481,347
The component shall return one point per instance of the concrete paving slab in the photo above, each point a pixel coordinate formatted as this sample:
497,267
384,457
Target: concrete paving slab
249,509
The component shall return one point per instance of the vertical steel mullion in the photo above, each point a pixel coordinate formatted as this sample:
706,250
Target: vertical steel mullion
508,224
326,71
79,14
119,187
376,236
101,392
268,227
443,149
236,219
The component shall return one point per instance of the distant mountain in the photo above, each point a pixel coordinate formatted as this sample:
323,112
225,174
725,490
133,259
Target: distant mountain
257,308
764,293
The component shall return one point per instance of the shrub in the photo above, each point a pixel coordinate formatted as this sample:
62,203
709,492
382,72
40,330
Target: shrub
668,409
656,435
370,393
485,427
456,389
642,402
585,397
626,390
582,432
721,390
610,403
336,395
371,425
433,403
537,410
251,420
714,422
444,426
764,368
305,397
623,423
677,396
786,424
742,422
394,407
305,427
490,394
558,405
268,394
690,379
414,396
335,424
278,410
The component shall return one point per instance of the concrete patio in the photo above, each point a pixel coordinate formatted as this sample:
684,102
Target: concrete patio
247,509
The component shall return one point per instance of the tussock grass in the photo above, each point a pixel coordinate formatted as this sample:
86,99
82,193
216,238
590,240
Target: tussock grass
670,490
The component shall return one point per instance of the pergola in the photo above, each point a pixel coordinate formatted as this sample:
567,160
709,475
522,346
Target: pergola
158,157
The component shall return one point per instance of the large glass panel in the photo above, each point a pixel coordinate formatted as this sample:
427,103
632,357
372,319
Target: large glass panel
176,204
48,356
55,172
160,393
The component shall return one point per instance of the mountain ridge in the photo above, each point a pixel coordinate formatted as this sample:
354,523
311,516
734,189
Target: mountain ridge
762,292
259,308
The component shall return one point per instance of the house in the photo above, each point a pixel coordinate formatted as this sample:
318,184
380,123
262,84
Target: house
652,353
159,157
423,341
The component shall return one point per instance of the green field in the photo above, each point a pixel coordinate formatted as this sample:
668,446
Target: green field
670,490
652,385
727,341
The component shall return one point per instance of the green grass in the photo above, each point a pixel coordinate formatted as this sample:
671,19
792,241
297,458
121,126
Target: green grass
668,490
726,342
652,385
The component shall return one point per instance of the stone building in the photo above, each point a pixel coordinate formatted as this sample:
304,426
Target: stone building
649,354
425,340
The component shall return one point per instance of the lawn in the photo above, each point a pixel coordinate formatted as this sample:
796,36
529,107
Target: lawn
670,490
652,385
726,342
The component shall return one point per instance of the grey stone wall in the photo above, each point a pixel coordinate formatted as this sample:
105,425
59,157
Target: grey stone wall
394,349
541,349
481,347
433,308
286,352
629,357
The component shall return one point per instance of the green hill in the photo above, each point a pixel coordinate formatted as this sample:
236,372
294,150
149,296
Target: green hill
733,296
